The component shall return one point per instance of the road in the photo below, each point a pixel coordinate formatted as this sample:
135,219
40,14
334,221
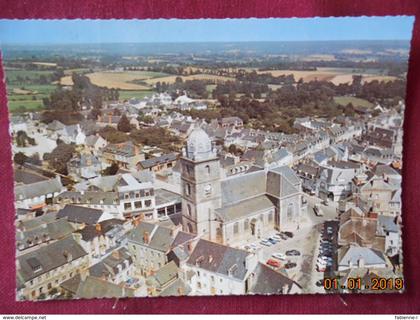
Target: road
307,241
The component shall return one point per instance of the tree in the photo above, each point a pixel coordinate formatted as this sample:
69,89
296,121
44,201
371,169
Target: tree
20,158
112,135
111,170
59,157
124,124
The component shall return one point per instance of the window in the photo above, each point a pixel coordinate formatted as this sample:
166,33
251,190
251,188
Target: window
207,167
138,204
137,195
188,189
127,206
236,227
246,224
148,203
189,209
126,196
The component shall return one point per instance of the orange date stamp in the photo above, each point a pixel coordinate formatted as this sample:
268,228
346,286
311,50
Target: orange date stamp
358,283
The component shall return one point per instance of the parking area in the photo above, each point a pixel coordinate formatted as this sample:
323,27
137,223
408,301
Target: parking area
315,242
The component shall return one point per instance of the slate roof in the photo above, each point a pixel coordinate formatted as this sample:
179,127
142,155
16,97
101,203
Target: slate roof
166,273
219,259
27,177
160,238
90,197
97,288
48,258
387,224
90,232
109,265
37,221
352,254
178,288
269,281
149,163
287,173
72,284
54,230
236,188
244,208
163,196
37,189
78,214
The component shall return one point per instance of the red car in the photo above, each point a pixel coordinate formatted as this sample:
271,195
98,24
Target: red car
274,263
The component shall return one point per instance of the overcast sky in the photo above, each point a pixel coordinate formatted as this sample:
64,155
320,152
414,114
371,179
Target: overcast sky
204,30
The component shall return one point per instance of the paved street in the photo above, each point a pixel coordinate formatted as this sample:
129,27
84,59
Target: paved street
307,241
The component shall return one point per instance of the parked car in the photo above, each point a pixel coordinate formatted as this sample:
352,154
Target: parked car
276,237
279,255
288,234
272,240
274,263
290,265
282,235
266,243
293,252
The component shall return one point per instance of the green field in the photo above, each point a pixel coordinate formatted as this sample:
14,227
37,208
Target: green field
26,75
344,101
128,94
16,101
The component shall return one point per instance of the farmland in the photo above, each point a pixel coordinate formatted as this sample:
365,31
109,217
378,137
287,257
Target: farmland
201,76
335,75
344,101
124,80
28,97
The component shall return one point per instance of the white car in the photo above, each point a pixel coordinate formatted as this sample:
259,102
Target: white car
279,255
266,243
276,237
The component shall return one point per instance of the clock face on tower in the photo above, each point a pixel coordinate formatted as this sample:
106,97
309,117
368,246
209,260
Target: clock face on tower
207,189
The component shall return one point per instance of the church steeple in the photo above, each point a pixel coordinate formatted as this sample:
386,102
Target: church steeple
201,186
199,146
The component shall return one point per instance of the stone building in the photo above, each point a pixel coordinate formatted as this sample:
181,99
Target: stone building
236,208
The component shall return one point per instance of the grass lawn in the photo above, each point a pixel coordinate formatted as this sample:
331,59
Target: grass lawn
343,101
127,94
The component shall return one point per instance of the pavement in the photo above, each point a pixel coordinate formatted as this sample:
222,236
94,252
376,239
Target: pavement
306,240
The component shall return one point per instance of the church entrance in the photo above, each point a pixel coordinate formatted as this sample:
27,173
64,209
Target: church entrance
255,228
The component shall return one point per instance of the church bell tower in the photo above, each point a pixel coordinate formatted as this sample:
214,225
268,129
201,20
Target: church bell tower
200,182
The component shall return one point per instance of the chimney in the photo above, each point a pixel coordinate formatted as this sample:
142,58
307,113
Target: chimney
210,258
189,247
285,289
116,254
98,227
146,237
181,291
67,255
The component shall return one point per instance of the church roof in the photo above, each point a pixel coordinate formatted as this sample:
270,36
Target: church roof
244,208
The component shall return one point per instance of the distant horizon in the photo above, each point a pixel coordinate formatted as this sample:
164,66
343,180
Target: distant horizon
50,32
198,42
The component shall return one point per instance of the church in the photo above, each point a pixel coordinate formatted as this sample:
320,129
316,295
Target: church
238,208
